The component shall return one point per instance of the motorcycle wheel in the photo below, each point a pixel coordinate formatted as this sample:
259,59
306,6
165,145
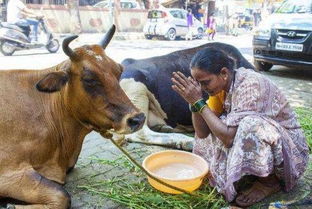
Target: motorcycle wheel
53,46
6,48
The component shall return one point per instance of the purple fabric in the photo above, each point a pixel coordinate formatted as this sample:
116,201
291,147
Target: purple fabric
189,20
211,23
268,136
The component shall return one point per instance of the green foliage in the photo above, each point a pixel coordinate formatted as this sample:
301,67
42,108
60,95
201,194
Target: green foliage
305,120
138,194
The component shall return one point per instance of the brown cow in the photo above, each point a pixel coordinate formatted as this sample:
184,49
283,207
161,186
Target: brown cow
46,114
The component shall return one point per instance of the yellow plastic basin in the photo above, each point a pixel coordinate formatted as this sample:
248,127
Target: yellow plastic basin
184,170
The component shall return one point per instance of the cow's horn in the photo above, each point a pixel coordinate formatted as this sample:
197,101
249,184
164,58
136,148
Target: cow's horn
67,50
108,37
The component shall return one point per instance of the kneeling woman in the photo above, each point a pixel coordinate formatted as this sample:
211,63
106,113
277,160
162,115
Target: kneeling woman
256,133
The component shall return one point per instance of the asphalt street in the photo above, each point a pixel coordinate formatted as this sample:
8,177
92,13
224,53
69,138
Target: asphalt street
296,83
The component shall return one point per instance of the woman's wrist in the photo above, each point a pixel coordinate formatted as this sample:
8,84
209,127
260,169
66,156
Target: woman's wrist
196,101
192,109
198,106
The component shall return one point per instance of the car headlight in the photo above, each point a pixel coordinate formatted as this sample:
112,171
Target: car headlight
262,33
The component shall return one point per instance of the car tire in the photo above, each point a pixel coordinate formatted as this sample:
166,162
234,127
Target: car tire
262,66
200,32
149,37
171,34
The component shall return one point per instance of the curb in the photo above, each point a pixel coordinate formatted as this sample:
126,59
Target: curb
117,36
129,36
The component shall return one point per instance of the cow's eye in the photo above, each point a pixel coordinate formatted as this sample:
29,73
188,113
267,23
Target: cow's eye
91,82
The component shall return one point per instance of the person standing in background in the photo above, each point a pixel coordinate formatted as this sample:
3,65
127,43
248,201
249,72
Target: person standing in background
195,11
189,20
211,27
233,24
201,12
257,17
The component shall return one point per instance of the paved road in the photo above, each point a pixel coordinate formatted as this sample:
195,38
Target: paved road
297,84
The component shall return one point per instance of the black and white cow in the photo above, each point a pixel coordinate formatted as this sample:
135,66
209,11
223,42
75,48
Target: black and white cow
147,82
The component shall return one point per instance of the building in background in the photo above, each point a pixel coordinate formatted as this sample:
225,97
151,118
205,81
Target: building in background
225,9
64,16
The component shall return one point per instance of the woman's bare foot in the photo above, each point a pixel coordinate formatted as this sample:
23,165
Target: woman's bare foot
262,188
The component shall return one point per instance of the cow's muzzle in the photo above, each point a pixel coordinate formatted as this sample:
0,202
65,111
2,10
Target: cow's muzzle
136,122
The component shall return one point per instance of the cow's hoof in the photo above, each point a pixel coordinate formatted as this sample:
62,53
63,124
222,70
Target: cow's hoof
10,206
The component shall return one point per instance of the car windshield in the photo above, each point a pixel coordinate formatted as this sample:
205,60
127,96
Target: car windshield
295,6
127,5
123,4
103,4
176,14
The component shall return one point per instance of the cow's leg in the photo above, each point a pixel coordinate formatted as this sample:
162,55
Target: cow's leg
168,129
183,129
37,191
136,91
143,99
173,140
158,124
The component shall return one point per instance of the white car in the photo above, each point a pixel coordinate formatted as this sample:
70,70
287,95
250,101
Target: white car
124,4
170,23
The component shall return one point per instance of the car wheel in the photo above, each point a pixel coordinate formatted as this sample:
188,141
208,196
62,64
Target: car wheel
149,37
6,48
262,66
200,32
171,34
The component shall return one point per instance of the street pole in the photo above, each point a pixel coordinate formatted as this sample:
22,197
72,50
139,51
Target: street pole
73,8
116,14
111,12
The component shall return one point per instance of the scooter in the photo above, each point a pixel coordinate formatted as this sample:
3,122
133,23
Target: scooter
17,37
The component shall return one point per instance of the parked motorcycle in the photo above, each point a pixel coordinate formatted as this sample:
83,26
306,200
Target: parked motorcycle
17,37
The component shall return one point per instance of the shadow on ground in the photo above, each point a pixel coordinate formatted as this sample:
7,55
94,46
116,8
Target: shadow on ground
295,83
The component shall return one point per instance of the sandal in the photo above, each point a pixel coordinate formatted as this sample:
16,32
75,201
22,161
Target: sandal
256,193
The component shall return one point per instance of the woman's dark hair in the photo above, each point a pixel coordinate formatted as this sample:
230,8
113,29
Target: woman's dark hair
211,60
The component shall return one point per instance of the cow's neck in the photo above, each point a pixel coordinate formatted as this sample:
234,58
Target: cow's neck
71,131
66,135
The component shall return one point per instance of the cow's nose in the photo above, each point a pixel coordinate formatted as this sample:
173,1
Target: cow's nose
136,122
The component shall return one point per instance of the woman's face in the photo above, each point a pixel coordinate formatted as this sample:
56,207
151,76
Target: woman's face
211,83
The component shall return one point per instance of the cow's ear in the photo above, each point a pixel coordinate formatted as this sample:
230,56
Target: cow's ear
52,82
119,71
